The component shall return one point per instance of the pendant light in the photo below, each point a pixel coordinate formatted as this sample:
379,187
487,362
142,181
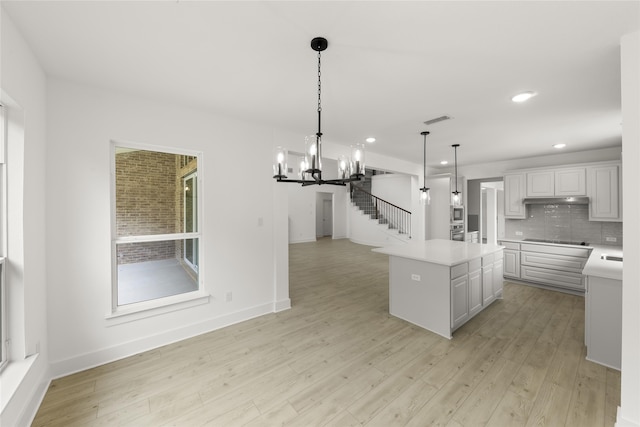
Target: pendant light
310,172
425,197
456,196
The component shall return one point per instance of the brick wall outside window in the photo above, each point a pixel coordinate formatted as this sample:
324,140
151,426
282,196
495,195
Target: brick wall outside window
149,201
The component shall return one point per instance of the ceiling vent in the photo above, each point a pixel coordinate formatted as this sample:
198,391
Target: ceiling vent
437,119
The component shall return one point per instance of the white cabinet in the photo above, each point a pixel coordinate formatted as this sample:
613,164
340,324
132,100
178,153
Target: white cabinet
511,261
540,184
571,182
475,287
553,265
604,193
459,301
557,183
498,278
487,280
514,192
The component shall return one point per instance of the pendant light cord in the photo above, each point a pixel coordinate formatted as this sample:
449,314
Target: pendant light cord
319,134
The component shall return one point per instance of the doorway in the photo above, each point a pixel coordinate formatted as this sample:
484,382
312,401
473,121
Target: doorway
491,212
324,215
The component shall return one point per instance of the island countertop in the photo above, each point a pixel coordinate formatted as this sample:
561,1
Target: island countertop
597,266
440,251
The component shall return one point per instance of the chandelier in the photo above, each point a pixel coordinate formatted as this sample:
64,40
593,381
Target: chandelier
310,166
425,197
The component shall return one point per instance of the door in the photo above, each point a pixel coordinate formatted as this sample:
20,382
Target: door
327,217
190,186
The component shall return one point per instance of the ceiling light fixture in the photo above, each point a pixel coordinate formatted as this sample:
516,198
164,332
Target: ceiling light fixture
559,146
456,199
370,140
310,171
444,162
524,96
425,197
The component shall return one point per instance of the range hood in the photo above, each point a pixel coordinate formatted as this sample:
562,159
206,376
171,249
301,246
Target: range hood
556,201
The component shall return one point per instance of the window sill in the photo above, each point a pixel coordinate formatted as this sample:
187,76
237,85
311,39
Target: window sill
146,309
12,376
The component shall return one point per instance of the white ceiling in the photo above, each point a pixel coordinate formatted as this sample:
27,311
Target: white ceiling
389,66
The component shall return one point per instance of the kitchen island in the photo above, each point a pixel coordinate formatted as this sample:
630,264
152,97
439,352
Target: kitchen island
441,284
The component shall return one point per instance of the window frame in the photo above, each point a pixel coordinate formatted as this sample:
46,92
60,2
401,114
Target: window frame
154,306
4,318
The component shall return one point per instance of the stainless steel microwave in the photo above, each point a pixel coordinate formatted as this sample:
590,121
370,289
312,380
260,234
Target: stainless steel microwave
457,214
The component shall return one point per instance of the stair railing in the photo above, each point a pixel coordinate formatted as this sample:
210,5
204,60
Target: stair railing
385,212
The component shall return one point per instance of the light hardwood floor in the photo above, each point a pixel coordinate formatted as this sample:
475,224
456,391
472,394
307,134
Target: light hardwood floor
337,358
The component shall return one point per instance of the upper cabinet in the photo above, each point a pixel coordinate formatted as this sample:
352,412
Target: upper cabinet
599,181
557,183
571,182
514,192
604,193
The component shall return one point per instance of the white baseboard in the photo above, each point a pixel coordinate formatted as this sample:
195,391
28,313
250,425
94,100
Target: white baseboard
85,361
621,421
282,305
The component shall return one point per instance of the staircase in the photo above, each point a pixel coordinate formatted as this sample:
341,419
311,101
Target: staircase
392,217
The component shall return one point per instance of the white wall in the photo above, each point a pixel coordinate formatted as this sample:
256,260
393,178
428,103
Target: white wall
494,169
629,411
23,91
238,224
394,188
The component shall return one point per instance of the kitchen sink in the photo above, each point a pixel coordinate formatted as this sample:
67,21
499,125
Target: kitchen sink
611,257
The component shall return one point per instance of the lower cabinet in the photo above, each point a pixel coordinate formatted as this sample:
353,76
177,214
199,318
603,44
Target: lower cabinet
487,280
475,292
459,300
474,285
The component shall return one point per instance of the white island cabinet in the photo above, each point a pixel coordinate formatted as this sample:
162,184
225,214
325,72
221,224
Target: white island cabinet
441,284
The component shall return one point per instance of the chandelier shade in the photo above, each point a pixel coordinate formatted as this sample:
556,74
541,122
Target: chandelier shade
310,166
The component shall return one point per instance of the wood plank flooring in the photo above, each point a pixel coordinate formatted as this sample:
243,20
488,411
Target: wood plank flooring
337,358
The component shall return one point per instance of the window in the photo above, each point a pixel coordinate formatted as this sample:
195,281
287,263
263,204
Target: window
4,339
156,234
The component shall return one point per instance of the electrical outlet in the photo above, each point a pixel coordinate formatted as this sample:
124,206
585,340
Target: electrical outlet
518,233
610,239
415,277
229,296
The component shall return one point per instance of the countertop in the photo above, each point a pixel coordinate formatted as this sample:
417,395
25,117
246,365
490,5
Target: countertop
596,266
440,251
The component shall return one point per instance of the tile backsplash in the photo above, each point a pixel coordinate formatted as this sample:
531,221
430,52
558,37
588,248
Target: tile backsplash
563,222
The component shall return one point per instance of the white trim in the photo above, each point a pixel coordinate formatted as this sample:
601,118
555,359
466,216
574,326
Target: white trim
142,310
282,305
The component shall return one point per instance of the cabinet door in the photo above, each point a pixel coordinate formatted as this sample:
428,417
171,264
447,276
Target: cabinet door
511,263
604,193
514,190
487,285
498,278
541,184
459,301
475,292
571,182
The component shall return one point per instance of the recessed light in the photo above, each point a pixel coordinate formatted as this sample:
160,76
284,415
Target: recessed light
524,96
444,162
559,146
370,139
